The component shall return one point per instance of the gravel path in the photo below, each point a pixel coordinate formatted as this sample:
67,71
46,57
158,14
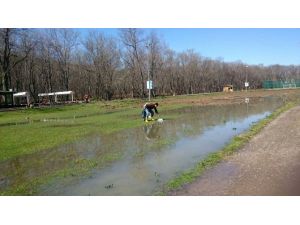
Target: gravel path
268,165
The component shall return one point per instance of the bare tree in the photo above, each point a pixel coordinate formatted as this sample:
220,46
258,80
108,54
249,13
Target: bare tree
155,60
46,56
134,58
64,42
11,52
103,56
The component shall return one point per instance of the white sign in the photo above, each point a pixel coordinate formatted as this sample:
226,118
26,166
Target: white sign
246,100
246,84
149,84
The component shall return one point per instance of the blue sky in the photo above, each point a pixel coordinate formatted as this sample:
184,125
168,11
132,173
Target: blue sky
251,46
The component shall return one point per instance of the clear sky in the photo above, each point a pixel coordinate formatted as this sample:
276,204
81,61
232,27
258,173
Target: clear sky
251,46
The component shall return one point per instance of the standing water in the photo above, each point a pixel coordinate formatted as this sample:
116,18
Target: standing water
151,155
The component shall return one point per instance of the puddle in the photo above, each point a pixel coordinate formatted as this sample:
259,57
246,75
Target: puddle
151,155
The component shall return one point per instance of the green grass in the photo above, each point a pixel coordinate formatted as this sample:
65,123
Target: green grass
61,128
61,112
157,146
73,169
29,138
17,140
216,157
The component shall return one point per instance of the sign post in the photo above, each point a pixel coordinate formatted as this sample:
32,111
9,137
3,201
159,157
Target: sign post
246,85
149,87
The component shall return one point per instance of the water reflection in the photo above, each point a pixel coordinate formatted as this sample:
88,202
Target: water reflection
152,131
151,154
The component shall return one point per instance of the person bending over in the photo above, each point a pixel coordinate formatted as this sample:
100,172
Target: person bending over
148,111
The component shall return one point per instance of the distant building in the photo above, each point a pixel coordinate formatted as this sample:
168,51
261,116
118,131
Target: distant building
228,88
22,98
6,99
46,98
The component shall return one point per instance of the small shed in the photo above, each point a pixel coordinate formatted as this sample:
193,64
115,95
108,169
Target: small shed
65,93
228,88
45,98
6,99
56,94
22,98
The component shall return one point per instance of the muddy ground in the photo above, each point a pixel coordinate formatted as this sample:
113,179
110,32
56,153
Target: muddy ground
268,165
221,98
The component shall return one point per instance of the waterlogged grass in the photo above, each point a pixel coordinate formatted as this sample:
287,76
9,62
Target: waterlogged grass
162,143
29,138
59,126
49,127
17,140
77,169
66,124
20,140
157,146
61,112
216,157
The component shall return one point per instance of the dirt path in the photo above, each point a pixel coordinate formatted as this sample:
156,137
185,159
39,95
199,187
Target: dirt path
268,165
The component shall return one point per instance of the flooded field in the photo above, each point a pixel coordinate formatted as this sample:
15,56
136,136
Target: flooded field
142,159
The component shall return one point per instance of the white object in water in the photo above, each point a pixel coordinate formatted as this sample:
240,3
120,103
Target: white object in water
160,120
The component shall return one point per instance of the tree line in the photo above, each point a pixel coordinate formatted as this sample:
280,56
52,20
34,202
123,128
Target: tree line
106,67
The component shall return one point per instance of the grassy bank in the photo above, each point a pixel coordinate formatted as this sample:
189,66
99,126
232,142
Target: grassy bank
214,158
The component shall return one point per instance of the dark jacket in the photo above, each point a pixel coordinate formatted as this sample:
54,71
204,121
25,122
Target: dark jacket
151,106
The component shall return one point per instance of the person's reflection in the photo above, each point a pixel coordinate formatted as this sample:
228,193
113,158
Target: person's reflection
151,131
247,102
